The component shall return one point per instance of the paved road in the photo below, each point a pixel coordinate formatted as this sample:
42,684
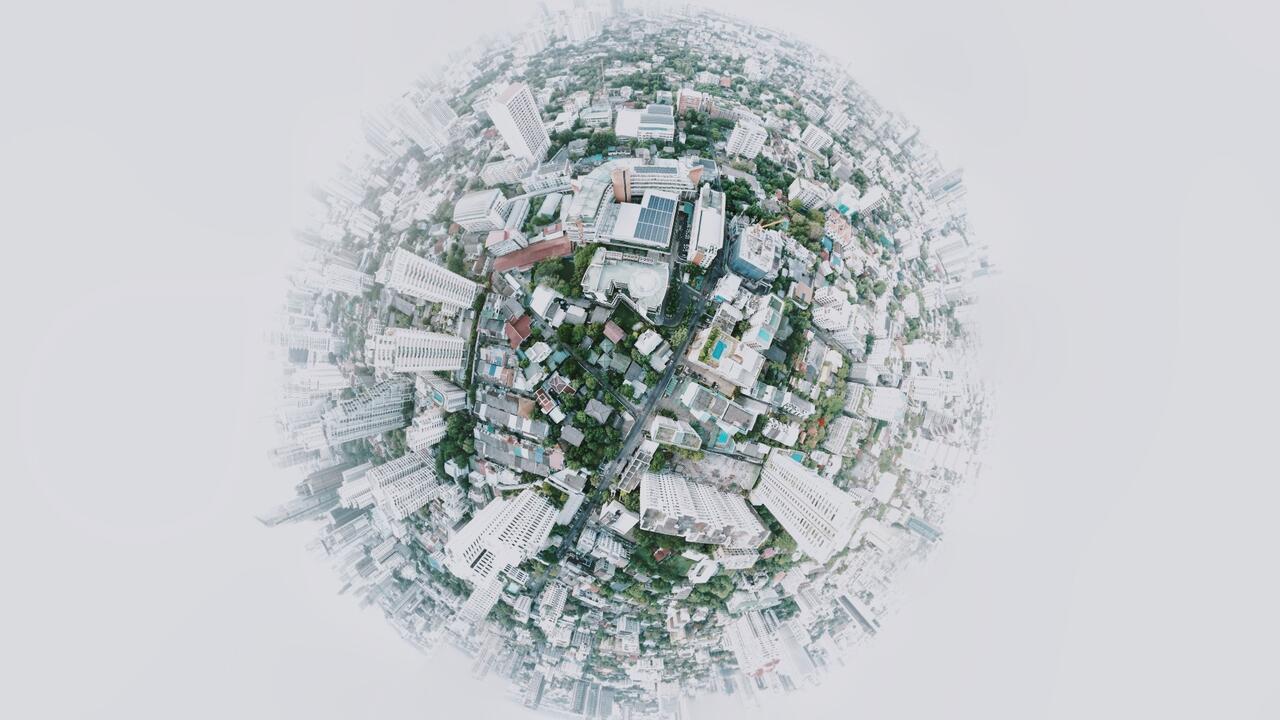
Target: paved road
609,472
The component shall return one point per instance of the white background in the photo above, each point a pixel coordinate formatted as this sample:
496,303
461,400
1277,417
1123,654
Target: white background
1116,559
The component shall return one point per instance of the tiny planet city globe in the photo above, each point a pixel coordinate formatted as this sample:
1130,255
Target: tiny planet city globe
631,359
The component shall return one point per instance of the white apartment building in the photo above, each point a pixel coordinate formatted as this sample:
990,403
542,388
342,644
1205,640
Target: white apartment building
402,486
752,640
746,140
428,126
815,138
502,534
343,279
400,350
373,411
316,341
515,114
481,211
428,428
674,505
818,515
811,194
422,279
504,172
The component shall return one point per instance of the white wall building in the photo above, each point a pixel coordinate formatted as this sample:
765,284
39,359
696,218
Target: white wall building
815,138
818,515
481,211
408,350
808,192
746,140
502,534
674,505
515,114
422,279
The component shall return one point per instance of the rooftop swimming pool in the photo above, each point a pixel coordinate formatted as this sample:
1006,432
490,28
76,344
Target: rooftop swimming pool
718,350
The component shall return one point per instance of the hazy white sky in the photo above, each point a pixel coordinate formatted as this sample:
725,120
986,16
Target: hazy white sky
1116,559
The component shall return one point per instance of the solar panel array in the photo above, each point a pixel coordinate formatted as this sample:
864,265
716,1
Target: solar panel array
655,219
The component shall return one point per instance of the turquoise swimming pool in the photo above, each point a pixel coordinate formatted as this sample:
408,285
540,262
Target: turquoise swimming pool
718,350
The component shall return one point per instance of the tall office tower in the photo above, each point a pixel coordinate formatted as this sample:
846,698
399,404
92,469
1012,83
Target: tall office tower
752,640
818,515
402,486
428,428
384,407
747,140
408,350
673,505
515,114
427,131
416,277
503,534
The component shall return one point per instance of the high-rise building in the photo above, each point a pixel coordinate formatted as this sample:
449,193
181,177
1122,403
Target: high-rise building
375,410
815,138
428,126
746,140
809,193
502,534
419,278
428,428
819,516
752,639
706,230
317,341
402,486
674,505
757,253
432,389
515,114
481,211
409,350
340,278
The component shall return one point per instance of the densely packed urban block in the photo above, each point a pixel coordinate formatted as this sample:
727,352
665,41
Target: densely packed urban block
630,357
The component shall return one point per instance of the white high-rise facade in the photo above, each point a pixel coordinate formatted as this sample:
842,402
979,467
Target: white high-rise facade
428,428
503,534
515,114
419,278
673,505
427,127
402,486
815,138
746,140
753,642
409,350
384,407
819,516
